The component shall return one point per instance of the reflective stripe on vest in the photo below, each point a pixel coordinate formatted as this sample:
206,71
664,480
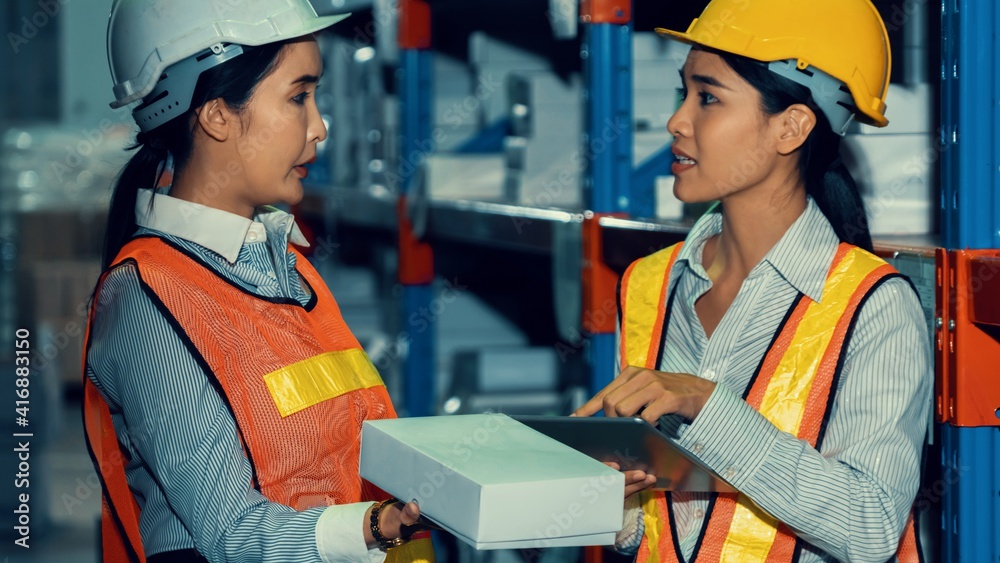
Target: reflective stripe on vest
319,378
793,389
294,378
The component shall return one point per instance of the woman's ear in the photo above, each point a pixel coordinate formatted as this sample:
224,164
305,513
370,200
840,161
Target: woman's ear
794,126
216,119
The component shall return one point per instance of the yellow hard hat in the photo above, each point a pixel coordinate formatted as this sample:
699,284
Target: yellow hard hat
846,39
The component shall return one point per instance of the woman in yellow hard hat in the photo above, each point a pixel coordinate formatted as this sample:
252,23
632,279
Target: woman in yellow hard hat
224,393
772,344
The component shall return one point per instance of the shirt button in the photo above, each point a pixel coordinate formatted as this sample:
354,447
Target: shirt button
698,449
699,513
709,375
252,237
271,275
729,474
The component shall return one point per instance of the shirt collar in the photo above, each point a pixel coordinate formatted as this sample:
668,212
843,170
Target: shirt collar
283,224
802,256
219,231
709,225
804,253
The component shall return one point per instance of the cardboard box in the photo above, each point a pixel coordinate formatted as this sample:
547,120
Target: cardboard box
493,482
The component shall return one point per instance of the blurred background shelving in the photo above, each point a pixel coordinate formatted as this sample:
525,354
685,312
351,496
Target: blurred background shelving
491,168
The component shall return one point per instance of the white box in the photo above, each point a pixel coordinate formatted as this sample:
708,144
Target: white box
493,482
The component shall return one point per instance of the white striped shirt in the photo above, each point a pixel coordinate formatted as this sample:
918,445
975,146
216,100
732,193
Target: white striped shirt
186,465
851,499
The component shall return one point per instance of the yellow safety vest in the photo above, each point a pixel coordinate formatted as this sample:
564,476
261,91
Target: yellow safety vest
793,388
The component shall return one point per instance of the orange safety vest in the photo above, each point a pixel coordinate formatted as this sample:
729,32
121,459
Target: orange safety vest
294,378
793,388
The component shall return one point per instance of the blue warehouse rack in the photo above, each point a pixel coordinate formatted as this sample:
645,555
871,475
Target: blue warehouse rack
970,218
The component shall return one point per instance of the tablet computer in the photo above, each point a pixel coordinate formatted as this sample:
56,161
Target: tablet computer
632,443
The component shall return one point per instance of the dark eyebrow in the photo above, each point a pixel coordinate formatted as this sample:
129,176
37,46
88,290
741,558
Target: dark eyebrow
307,79
707,80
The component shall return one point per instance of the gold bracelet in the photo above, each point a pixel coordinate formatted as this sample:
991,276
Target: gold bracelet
383,543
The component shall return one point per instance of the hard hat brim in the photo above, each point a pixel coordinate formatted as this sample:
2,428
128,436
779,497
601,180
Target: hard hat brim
875,119
683,37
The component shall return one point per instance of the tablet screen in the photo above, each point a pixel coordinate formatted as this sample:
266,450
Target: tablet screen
632,443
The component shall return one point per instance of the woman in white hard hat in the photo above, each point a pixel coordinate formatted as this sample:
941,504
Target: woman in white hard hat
772,344
224,395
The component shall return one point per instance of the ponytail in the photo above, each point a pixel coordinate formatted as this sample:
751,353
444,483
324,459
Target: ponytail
832,187
827,179
839,198
143,170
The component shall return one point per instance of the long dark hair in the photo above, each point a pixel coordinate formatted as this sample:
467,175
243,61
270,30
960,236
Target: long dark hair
826,177
234,82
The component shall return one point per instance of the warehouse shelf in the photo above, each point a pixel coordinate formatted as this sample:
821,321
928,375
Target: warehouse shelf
511,227
602,228
526,228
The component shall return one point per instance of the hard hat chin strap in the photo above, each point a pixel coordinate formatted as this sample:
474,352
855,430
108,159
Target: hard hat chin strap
830,94
172,95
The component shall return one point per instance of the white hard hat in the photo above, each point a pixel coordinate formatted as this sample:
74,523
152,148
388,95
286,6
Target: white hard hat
145,37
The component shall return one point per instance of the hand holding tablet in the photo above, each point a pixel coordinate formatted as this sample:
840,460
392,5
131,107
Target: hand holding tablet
632,444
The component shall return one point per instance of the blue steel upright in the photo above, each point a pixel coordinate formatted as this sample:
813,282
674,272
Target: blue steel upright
608,139
417,144
970,117
415,109
970,218
970,476
418,367
607,65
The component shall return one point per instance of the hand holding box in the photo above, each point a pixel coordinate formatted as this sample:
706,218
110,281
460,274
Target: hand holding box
493,482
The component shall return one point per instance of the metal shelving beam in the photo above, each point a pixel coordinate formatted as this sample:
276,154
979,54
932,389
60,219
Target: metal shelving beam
511,227
496,225
970,206
627,240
